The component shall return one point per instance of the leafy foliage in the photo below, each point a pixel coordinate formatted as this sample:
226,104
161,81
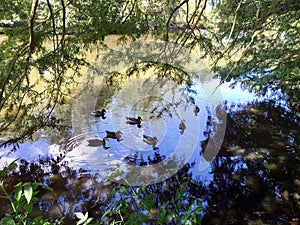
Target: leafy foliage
261,45
21,200
137,205
125,204
83,218
41,51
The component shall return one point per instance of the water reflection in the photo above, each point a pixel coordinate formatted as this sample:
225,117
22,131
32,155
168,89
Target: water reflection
151,126
158,105
256,171
252,179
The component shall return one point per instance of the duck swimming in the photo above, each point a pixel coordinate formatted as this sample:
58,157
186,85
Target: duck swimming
196,110
134,121
150,141
98,113
114,135
182,127
97,143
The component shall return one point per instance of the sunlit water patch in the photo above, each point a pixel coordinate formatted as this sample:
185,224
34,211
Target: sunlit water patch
255,170
172,93
174,122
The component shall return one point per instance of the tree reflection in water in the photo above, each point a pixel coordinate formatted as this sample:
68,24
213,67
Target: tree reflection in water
256,177
256,173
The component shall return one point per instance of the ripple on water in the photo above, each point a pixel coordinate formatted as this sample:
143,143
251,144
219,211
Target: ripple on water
176,119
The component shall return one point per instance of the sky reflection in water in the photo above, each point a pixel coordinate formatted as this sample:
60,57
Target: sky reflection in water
165,128
257,164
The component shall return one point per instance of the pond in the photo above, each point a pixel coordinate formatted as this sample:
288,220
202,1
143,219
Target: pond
244,151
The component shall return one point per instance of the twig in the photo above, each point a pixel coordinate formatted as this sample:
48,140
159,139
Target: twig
13,62
64,24
31,25
31,42
170,17
254,34
234,20
130,12
227,47
55,36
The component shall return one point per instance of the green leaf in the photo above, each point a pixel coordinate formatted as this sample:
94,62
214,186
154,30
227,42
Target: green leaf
168,218
187,222
35,185
34,199
89,220
80,221
138,190
47,188
18,193
18,184
86,215
149,204
123,190
29,207
83,218
7,221
79,215
28,192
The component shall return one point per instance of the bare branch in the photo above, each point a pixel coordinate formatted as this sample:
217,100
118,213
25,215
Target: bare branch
31,25
55,36
64,23
254,34
31,37
13,62
130,12
191,24
234,20
170,17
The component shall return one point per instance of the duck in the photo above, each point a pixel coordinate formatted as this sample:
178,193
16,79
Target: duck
196,110
97,143
134,121
99,113
182,127
114,135
150,141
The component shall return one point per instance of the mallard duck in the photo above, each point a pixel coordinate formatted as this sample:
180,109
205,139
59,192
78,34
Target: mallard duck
114,135
182,127
98,113
196,110
150,141
134,121
97,143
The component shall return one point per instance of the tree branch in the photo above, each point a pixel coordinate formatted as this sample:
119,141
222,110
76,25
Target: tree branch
254,34
53,25
130,12
31,25
31,37
170,17
234,20
64,23
13,62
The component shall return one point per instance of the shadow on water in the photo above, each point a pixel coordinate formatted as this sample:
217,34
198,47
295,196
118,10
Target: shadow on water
251,176
256,173
255,176
157,103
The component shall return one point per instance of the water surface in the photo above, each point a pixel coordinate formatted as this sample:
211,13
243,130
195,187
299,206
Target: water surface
243,150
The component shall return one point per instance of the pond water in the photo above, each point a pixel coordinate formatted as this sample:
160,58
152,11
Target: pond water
244,151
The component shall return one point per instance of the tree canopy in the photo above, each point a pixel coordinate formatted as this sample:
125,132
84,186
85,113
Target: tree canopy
266,36
257,40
